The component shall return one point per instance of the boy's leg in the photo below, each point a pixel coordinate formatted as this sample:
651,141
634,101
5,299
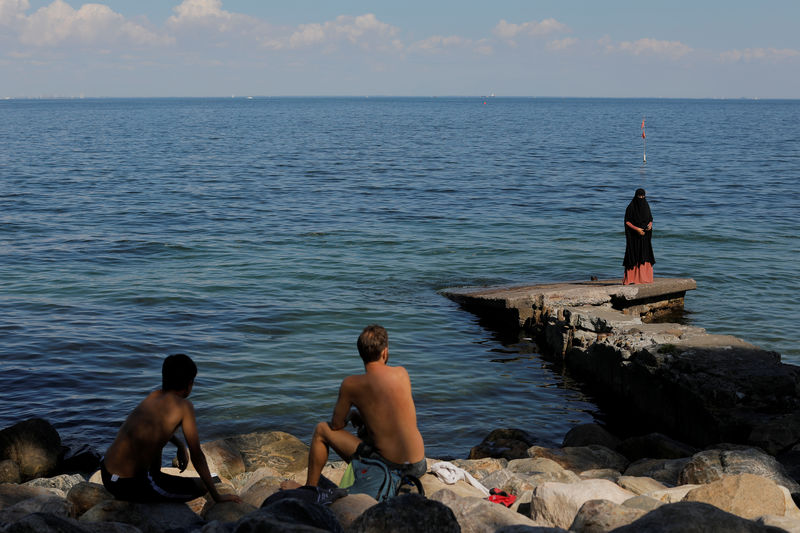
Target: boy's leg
342,441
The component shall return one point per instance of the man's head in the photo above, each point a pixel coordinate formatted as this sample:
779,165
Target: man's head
177,372
372,342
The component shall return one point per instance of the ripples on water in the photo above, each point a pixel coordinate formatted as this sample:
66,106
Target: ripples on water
259,236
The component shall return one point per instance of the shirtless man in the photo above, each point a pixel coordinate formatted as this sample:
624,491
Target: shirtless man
131,468
382,399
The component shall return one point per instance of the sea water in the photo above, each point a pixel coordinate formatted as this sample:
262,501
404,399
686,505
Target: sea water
261,235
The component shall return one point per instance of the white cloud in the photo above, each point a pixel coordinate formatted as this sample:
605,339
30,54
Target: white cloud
92,24
365,31
507,30
438,43
670,49
562,44
12,11
759,54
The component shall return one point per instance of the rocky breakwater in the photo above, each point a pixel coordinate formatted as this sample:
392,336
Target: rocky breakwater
596,482
677,379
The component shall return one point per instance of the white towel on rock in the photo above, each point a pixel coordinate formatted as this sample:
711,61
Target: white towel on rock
450,473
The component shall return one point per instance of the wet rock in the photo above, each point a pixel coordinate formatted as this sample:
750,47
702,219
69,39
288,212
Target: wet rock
476,515
665,471
350,507
711,465
228,511
85,495
745,495
586,434
9,472
38,504
410,513
640,485
62,483
692,517
276,449
148,517
599,516
582,458
503,443
34,445
654,446
558,503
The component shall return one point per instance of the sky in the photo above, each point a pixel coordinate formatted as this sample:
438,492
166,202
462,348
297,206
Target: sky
558,48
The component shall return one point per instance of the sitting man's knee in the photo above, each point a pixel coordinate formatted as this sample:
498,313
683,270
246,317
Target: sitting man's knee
321,430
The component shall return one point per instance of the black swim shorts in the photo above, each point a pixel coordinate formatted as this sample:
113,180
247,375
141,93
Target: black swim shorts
153,487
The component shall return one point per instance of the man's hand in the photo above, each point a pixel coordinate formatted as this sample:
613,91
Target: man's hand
183,458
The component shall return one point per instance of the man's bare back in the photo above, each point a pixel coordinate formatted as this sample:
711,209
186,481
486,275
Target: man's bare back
382,396
137,448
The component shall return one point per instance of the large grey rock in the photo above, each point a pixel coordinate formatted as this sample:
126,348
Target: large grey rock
84,496
692,517
228,511
275,449
666,471
503,443
11,494
38,504
149,517
480,468
558,503
586,434
712,465
640,485
223,458
643,503
34,445
432,484
654,446
745,495
599,516
600,473
43,523
477,515
62,483
410,513
350,507
9,471
582,458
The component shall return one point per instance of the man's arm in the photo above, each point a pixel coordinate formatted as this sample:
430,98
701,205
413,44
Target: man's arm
342,409
183,457
199,458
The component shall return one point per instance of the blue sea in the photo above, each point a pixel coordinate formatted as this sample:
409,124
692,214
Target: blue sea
261,235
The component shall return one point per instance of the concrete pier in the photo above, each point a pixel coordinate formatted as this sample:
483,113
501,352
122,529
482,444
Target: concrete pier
677,379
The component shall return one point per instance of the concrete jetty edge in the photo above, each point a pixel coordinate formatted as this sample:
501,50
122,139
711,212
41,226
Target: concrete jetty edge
618,339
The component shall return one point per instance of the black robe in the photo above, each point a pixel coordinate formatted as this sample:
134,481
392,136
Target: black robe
638,248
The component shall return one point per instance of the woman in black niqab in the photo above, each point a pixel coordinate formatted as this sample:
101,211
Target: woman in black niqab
639,259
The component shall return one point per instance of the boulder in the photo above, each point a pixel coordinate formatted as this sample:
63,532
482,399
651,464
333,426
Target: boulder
224,459
350,507
692,517
276,449
600,473
504,443
409,513
783,523
80,459
745,495
558,503
654,446
776,434
529,529
62,483
599,516
11,494
586,434
711,465
480,468
665,471
38,504
148,517
673,494
85,495
258,486
476,515
432,484
34,445
9,471
644,503
582,458
228,511
640,485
